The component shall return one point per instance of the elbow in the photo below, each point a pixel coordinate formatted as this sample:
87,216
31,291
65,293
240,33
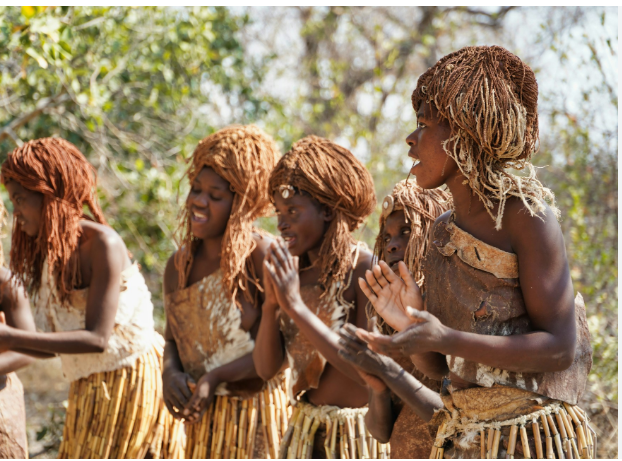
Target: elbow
381,433
99,344
263,370
564,359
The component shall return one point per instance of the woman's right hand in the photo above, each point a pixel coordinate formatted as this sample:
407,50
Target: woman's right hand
390,295
177,390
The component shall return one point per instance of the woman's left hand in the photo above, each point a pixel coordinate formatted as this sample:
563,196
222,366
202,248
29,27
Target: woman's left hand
202,397
427,334
282,268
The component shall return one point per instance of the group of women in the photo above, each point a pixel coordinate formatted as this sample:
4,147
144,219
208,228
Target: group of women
458,336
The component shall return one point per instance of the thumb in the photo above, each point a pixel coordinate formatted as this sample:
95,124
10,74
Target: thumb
191,383
417,315
2,318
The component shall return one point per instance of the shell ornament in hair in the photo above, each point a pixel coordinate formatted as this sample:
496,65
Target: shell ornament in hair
286,191
387,206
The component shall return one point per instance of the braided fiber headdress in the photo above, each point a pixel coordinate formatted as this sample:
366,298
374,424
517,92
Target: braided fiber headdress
244,156
58,170
490,99
421,208
333,176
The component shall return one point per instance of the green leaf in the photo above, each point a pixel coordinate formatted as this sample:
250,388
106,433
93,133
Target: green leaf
40,60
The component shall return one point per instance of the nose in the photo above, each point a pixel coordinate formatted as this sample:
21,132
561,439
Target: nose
282,224
200,200
411,139
393,246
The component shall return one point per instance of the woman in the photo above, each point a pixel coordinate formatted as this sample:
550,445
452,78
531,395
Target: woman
91,305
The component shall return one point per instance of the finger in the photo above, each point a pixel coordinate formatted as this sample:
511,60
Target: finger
393,353
351,342
283,257
372,282
382,281
171,409
191,385
272,276
2,318
347,356
388,273
407,277
374,325
176,398
367,291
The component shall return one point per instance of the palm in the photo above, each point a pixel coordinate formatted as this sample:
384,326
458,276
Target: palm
391,295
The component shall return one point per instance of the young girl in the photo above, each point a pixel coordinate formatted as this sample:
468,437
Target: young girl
322,193
14,311
212,299
406,220
498,320
91,304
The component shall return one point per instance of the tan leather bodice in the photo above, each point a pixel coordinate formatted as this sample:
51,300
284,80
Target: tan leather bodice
207,327
474,287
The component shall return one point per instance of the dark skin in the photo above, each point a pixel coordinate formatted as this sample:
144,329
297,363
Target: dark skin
302,222
372,366
210,201
15,312
544,278
103,256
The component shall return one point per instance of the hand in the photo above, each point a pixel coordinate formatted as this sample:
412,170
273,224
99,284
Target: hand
370,365
282,270
390,294
177,390
202,397
427,334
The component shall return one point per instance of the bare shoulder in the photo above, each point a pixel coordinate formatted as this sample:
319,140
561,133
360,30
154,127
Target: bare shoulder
363,263
171,276
539,230
103,239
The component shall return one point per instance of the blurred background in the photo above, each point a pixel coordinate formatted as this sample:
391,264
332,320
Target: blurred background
136,89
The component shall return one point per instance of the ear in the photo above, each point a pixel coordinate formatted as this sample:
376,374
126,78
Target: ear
328,214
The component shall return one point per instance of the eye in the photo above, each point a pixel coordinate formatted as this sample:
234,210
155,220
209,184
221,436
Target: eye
405,231
215,198
291,210
420,125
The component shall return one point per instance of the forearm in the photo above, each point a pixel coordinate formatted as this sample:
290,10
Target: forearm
431,364
421,399
64,342
35,354
325,340
268,355
12,361
512,353
171,360
380,419
237,370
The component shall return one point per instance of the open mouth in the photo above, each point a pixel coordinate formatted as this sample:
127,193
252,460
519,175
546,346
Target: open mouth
289,240
198,217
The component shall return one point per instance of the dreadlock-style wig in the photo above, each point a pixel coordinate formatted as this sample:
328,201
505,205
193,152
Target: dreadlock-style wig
244,156
490,99
334,177
58,170
3,215
421,208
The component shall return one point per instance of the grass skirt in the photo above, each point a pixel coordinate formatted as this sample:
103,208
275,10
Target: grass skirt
235,427
330,432
121,414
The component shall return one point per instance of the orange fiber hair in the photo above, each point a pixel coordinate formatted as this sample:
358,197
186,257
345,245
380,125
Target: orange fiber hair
244,156
333,176
490,99
58,170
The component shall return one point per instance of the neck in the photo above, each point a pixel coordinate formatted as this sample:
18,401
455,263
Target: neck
210,249
465,201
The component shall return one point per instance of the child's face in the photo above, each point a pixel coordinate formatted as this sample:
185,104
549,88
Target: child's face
396,235
302,222
434,167
27,207
209,203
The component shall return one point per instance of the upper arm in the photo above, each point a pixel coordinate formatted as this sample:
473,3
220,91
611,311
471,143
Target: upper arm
543,272
169,285
108,258
364,263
